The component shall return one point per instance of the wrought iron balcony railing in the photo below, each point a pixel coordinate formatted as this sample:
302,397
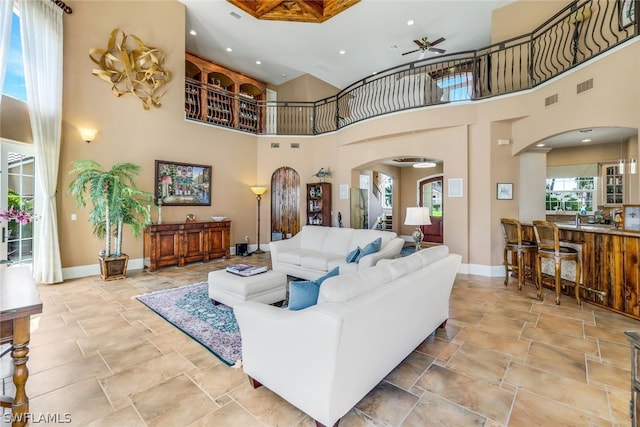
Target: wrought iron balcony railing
579,32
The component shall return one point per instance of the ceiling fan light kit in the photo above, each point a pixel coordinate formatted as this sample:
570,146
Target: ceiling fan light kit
424,46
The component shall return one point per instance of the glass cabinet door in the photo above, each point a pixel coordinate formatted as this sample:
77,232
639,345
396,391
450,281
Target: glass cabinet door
613,185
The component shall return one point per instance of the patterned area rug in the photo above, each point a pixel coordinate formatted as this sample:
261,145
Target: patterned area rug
189,309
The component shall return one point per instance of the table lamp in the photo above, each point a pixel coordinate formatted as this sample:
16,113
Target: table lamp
417,216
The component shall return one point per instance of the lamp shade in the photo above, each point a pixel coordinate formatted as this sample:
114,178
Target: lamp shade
417,216
259,189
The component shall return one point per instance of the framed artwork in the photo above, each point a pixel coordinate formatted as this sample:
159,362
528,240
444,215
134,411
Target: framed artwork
504,191
627,13
455,187
631,217
182,184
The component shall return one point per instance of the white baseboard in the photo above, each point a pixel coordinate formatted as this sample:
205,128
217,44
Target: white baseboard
482,270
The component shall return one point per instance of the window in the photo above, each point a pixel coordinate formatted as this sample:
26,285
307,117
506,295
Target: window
457,87
571,194
14,85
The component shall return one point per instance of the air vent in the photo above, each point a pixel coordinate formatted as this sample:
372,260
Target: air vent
295,145
235,15
584,86
275,145
550,100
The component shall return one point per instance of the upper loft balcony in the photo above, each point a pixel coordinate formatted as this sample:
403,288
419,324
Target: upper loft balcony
576,34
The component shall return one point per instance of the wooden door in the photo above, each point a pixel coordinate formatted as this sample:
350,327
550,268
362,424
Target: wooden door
285,202
431,197
192,243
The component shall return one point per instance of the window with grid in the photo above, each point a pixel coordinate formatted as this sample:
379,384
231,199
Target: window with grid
571,194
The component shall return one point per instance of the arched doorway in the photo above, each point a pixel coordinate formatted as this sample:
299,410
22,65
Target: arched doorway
285,203
430,191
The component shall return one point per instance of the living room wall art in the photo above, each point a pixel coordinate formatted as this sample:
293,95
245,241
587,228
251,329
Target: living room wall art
182,184
131,67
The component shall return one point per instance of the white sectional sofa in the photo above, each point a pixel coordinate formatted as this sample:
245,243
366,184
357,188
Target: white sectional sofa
325,358
315,250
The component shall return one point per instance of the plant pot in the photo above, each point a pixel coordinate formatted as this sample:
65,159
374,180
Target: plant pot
113,267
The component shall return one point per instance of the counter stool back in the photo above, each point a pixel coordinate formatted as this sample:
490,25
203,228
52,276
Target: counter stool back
517,249
548,241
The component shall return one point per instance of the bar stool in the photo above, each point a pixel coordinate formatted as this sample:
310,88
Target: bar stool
548,240
514,245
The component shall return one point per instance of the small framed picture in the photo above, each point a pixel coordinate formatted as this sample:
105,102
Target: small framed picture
627,13
504,191
631,217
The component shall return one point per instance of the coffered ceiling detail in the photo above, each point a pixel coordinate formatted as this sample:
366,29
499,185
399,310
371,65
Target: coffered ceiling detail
294,10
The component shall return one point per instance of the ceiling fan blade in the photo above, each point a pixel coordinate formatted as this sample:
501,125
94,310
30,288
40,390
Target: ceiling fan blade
436,50
440,40
419,42
407,53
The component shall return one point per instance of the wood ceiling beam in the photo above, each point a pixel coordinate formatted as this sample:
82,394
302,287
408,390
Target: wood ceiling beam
315,8
266,6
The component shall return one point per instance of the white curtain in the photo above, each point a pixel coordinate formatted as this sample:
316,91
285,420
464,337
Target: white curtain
6,10
41,35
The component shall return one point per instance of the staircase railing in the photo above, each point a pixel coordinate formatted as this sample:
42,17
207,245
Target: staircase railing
576,34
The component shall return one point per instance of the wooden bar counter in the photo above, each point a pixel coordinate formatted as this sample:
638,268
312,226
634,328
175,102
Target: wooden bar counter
610,264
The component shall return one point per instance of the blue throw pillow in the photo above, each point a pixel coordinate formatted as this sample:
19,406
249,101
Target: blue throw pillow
332,273
304,293
371,248
353,255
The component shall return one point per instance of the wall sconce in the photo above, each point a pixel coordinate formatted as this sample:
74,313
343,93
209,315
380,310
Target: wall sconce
88,135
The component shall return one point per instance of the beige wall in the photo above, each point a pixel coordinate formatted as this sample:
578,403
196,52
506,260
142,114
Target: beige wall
14,120
464,136
305,88
128,133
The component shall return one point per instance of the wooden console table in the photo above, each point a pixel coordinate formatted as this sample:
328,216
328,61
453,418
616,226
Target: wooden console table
180,243
19,300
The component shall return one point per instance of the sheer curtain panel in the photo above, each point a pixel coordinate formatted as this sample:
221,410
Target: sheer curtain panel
6,10
41,35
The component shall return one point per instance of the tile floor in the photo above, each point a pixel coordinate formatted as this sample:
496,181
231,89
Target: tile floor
505,358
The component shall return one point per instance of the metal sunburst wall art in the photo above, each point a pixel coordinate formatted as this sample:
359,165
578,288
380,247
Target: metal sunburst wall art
131,67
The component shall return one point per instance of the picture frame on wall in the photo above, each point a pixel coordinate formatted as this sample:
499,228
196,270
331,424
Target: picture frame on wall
182,184
627,14
631,217
504,191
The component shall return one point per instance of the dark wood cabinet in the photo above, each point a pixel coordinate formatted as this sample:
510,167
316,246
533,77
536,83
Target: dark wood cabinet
181,243
319,204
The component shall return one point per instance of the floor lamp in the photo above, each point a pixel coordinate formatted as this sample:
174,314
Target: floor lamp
259,190
418,216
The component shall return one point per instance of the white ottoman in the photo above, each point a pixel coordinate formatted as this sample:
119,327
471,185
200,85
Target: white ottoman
230,289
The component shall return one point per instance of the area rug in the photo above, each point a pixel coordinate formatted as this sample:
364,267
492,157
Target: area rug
189,309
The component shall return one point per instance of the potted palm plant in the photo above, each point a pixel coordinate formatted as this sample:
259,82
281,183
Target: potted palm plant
116,201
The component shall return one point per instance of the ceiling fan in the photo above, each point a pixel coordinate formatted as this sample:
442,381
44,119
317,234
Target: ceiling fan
424,46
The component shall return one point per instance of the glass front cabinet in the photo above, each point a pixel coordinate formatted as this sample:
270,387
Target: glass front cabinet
613,191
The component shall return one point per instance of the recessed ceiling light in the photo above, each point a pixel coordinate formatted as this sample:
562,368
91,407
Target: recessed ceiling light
393,47
193,33
410,22
284,75
424,165
586,140
374,73
540,145
235,15
342,52
229,49
258,62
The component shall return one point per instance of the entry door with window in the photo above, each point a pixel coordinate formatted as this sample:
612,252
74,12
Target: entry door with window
17,182
431,197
